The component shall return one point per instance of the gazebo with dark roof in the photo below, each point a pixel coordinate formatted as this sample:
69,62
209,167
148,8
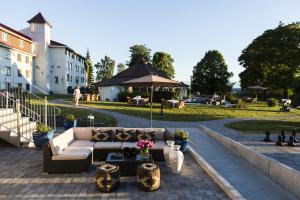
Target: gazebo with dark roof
141,68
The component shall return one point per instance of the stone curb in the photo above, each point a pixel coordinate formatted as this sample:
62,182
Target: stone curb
221,182
282,174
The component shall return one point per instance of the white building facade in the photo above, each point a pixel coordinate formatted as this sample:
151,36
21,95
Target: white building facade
53,67
16,59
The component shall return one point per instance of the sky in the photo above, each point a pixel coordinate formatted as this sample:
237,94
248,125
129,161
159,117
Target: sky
186,29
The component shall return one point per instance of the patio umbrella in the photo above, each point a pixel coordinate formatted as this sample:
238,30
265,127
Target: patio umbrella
256,88
151,81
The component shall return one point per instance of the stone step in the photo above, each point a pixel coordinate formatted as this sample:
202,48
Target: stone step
8,117
13,123
6,111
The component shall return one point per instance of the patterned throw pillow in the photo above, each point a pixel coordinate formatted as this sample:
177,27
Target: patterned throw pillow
129,135
119,135
125,136
143,135
101,136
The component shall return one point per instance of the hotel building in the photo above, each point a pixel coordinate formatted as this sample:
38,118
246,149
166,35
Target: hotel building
31,60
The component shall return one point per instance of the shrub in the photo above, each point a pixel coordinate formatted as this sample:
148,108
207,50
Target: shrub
42,128
180,134
272,102
240,104
70,117
122,96
232,99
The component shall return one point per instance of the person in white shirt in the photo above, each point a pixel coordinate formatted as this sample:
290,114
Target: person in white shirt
77,95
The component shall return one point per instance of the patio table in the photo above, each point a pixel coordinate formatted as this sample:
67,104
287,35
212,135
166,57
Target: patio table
173,101
137,98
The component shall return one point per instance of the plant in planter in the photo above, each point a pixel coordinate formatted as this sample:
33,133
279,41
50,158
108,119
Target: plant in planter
42,135
181,138
70,121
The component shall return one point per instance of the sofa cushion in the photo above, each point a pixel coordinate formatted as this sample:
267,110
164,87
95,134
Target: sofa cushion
81,144
129,145
108,145
144,135
104,136
62,141
83,133
72,154
159,144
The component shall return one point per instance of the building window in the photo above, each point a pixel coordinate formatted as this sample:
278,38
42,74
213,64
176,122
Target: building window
19,73
20,85
21,43
8,71
27,59
4,37
27,73
77,68
68,77
32,27
66,52
27,87
19,57
56,79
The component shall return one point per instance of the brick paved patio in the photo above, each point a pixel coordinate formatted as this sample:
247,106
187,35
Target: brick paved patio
21,177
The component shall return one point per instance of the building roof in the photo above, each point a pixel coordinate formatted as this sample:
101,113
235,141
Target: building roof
14,31
58,44
39,19
54,43
140,69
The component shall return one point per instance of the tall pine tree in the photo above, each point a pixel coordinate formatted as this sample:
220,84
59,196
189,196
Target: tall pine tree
89,69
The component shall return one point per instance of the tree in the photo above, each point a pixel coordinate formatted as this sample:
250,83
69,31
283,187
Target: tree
211,75
137,52
272,59
120,67
89,69
105,68
164,63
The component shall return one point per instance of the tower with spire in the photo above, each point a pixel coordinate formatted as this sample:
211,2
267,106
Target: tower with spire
40,32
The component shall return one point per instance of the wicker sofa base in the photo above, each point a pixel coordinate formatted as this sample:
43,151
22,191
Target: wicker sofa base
64,166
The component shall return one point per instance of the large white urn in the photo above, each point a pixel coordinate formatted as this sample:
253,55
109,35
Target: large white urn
176,159
167,151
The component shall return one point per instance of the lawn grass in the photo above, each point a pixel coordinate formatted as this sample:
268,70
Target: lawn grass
56,96
260,126
196,112
82,113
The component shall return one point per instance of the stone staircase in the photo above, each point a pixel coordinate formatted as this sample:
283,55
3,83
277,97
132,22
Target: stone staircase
20,112
9,128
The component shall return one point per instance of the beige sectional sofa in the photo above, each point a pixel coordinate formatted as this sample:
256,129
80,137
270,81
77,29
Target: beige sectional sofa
74,150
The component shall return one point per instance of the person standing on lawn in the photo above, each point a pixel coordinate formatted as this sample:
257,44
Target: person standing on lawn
77,95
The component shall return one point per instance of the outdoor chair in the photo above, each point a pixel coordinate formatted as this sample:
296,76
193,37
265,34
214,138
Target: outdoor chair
180,104
130,101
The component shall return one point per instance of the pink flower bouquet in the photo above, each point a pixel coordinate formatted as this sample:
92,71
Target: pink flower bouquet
145,144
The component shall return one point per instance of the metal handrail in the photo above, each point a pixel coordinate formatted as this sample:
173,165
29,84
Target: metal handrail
21,131
31,101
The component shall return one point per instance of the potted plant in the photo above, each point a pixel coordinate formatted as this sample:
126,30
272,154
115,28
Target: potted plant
70,121
144,146
181,138
42,135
